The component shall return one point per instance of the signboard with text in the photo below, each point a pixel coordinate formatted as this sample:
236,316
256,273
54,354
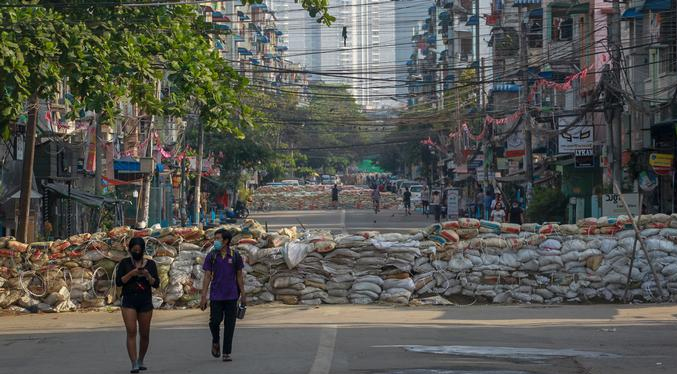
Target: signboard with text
453,198
584,158
578,136
613,207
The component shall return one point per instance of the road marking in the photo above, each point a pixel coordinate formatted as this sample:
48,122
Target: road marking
325,351
501,352
343,220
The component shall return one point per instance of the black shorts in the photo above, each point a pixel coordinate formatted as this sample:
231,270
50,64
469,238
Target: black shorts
407,204
140,303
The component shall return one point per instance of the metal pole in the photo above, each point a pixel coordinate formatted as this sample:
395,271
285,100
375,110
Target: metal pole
615,41
99,157
198,178
27,172
477,56
524,66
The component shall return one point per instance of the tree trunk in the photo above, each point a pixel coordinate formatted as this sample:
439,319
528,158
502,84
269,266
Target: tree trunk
27,173
145,208
198,178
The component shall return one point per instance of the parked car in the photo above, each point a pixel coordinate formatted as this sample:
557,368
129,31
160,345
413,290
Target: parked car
416,190
404,185
290,182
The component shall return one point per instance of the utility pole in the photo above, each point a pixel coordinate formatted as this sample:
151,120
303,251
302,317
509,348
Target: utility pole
616,141
27,172
98,186
198,178
524,93
477,57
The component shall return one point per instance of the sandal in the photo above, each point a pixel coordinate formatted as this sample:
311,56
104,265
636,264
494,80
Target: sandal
142,368
216,350
227,358
133,371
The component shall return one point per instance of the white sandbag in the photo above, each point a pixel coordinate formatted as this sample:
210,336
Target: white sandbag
509,259
608,245
550,245
366,286
370,278
294,252
407,284
458,264
286,281
575,245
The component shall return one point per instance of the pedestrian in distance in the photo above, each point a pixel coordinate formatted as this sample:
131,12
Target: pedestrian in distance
498,214
425,200
516,213
406,199
435,205
376,199
224,281
137,276
335,196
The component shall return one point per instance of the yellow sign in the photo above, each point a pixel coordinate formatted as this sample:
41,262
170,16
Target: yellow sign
660,160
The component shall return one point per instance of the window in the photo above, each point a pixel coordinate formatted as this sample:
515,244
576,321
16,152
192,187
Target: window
667,57
561,26
535,33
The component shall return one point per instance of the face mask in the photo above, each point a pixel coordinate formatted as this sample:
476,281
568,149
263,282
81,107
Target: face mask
137,256
218,244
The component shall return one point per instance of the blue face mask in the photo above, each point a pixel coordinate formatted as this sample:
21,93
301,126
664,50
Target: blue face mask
218,244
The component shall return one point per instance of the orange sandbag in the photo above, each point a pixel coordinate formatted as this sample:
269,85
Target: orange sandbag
548,229
141,233
511,228
17,246
79,239
119,232
324,246
469,223
8,253
450,235
609,230
453,225
247,241
59,246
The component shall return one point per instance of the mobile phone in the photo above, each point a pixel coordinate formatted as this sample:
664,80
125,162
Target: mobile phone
241,311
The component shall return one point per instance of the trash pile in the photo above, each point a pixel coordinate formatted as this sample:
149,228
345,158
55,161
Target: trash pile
313,197
594,260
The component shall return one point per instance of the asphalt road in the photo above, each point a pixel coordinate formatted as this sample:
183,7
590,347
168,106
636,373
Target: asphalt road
342,220
349,339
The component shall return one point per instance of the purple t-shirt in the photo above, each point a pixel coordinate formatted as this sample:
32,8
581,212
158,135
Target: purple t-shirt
224,270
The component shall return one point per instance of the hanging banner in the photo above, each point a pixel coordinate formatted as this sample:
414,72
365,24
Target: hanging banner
578,136
90,156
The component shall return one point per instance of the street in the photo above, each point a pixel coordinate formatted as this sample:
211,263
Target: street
344,220
360,339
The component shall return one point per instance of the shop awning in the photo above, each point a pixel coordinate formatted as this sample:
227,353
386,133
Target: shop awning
657,5
237,38
268,56
279,32
219,17
254,61
244,51
128,163
263,7
281,48
560,5
581,8
536,13
520,3
473,20
221,26
242,16
263,39
444,15
632,13
84,198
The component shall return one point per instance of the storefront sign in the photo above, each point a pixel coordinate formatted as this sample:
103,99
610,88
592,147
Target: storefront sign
576,137
661,163
515,145
453,198
613,207
584,158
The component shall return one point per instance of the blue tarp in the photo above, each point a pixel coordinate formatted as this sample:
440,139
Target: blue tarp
657,5
472,20
536,13
632,13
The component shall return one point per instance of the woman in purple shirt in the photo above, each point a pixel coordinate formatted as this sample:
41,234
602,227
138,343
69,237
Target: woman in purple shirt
223,271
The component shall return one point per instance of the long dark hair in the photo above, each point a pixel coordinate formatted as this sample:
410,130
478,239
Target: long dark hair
136,241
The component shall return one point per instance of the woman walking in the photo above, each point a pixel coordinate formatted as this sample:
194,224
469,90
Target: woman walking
137,275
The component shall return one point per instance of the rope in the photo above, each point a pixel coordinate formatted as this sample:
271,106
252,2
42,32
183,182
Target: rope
93,283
